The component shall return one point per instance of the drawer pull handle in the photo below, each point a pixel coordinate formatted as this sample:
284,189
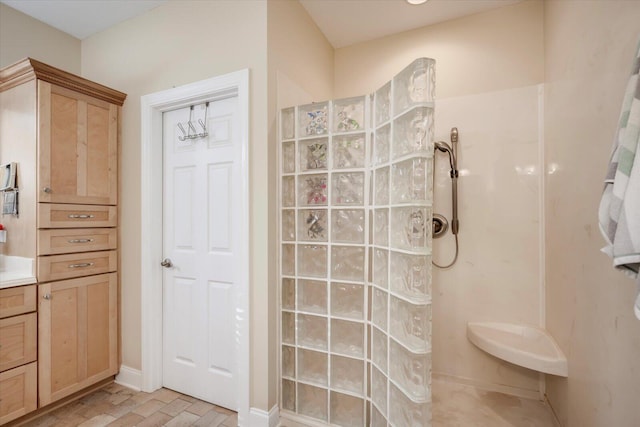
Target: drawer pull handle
46,296
81,265
80,216
47,190
80,240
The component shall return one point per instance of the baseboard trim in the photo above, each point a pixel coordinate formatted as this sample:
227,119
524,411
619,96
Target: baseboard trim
129,377
261,418
513,391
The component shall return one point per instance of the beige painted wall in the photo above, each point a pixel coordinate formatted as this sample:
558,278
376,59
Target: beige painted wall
300,70
490,51
175,44
589,48
22,36
487,69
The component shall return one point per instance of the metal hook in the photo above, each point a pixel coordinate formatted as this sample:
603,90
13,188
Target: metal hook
182,138
204,128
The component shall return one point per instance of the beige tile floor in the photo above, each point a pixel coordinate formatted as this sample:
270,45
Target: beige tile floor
118,406
454,405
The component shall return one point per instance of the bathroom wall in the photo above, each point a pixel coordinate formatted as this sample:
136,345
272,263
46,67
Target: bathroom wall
488,68
178,43
589,47
22,36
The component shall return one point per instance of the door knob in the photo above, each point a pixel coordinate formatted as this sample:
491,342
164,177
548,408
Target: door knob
46,296
46,190
166,263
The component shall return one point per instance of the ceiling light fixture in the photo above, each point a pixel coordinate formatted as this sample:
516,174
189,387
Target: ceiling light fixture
416,2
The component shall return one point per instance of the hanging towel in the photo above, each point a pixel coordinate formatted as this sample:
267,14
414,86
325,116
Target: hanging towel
619,213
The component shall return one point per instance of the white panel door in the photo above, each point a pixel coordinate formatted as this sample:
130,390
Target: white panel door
201,215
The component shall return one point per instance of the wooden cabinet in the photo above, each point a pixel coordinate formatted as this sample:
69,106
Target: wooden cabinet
77,334
78,147
62,131
18,352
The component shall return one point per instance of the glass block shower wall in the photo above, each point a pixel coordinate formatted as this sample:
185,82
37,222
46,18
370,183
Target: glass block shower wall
356,193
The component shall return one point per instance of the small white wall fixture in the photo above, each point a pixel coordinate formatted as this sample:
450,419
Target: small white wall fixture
152,107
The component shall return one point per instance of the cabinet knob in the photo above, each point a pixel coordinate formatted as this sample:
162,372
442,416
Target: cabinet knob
46,296
46,190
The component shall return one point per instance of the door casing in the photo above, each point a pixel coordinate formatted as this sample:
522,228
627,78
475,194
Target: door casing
152,107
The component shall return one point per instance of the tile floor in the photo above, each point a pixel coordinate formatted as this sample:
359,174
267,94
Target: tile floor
118,406
454,405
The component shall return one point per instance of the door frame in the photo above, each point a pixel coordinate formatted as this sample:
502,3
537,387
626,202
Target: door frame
152,107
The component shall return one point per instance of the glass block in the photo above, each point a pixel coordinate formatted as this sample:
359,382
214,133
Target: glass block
379,349
288,120
288,191
288,260
383,104
312,367
381,267
411,228
312,401
347,225
347,300
312,331
379,389
412,181
312,190
347,263
312,119
312,296
288,157
312,261
312,225
313,154
415,84
411,276
288,225
347,338
349,151
379,309
289,395
405,412
348,114
288,361
346,411
413,133
411,324
382,145
288,328
347,374
381,191
412,372
289,294
381,227
377,419
347,188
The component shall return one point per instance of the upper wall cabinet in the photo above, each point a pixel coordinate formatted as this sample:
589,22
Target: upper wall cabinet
78,147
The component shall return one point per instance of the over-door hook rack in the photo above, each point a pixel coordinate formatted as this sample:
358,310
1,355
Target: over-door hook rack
187,134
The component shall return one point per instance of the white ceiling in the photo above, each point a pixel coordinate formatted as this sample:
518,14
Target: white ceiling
343,22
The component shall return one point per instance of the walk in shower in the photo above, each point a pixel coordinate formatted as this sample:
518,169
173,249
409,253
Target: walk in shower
355,279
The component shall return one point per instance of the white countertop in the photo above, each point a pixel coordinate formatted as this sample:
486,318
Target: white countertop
16,271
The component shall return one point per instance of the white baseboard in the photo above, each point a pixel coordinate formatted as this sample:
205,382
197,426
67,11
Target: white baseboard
260,418
129,377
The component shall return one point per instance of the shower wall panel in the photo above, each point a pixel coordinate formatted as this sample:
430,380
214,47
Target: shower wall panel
356,195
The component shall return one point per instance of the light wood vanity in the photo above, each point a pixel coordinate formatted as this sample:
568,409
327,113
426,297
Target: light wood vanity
59,336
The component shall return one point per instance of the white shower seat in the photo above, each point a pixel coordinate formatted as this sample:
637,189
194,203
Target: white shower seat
523,345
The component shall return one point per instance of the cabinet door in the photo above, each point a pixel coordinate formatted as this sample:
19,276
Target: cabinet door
77,147
77,334
18,392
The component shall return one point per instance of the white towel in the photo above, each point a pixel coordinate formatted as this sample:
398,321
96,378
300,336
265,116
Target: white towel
619,213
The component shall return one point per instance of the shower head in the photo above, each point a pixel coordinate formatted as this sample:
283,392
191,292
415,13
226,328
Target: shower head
442,146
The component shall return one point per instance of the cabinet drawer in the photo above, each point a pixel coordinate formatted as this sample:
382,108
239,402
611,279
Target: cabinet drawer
18,340
18,392
18,300
51,215
65,241
56,267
